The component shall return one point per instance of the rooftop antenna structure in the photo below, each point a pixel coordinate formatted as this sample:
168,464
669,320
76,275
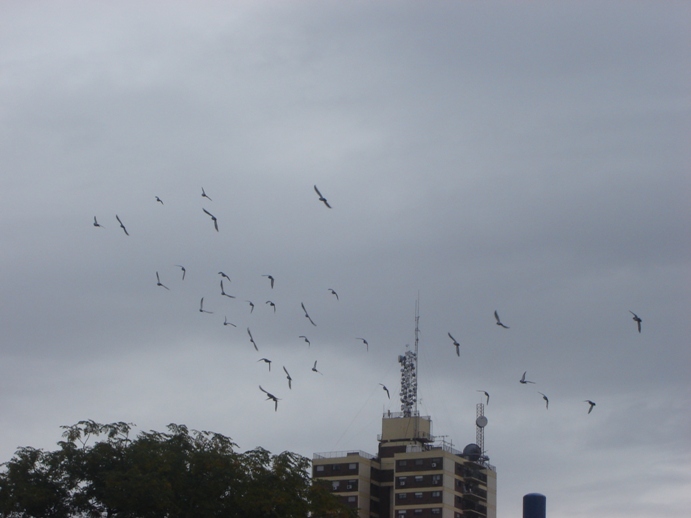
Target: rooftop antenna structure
480,423
408,363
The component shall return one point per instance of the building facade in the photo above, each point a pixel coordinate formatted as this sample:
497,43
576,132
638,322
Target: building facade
412,475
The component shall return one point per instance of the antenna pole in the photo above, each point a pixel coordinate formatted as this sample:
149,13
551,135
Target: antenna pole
417,341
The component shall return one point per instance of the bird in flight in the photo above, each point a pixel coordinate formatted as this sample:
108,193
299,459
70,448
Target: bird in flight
201,307
213,218
290,380
271,304
458,346
591,403
334,293
307,314
272,397
267,361
121,225
97,224
159,283
524,381
251,305
226,323
305,339
183,270
637,320
486,395
252,339
364,342
386,390
321,198
205,196
314,368
159,200
223,292
270,277
496,315
546,400
224,275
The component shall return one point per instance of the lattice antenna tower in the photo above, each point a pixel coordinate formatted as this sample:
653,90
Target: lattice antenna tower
480,423
409,372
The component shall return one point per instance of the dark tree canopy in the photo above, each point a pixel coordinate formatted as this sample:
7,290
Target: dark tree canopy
181,473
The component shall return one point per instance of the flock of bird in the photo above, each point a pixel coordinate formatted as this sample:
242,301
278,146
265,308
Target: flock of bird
523,380
270,396
224,277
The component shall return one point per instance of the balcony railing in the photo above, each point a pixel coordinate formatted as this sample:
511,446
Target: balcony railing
343,454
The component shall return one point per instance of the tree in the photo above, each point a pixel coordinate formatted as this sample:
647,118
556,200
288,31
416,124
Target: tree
179,474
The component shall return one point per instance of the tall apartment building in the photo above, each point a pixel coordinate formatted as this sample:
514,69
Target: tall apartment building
413,475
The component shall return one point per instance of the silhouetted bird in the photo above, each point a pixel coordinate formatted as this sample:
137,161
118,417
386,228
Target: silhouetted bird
290,380
183,270
213,218
272,397
205,196
486,395
321,198
267,361
270,279
386,390
496,315
159,200
224,275
251,305
97,224
271,304
364,342
314,367
307,314
252,339
223,292
121,225
334,293
546,400
638,321
305,339
201,307
159,283
458,346
524,381
591,403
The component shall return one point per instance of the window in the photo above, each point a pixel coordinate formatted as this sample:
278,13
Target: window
436,511
352,466
402,496
401,481
402,512
418,462
436,494
402,462
418,478
418,495
320,468
436,480
335,467
417,511
352,499
335,485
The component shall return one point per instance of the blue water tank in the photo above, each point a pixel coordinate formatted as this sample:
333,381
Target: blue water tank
534,506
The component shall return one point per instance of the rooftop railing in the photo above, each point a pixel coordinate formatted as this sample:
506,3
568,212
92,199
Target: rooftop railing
343,454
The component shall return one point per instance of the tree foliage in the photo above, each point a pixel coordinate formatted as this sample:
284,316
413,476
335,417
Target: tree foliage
179,474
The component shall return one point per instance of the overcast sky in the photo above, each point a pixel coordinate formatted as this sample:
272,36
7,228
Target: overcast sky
525,157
